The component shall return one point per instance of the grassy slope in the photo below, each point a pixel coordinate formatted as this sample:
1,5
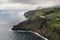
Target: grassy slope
49,13
52,29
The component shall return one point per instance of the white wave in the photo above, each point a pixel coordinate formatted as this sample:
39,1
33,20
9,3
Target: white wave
10,30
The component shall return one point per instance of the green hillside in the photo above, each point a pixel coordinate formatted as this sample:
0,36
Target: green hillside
44,21
52,21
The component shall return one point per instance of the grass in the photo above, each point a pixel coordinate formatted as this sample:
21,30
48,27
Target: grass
37,14
54,15
54,23
50,13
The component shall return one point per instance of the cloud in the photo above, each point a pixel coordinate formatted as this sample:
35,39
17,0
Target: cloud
41,3
26,4
17,6
7,5
3,1
29,1
47,4
24,1
34,1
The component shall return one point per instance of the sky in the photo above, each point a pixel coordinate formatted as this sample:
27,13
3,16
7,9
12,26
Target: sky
26,4
12,16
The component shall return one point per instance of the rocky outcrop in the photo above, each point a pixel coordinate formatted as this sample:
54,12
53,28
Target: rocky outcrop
29,14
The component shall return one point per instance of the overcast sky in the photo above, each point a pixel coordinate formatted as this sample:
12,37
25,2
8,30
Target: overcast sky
26,4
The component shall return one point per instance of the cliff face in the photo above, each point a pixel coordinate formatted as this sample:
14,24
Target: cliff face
49,26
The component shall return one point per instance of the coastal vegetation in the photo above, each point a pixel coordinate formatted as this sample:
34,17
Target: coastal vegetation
44,21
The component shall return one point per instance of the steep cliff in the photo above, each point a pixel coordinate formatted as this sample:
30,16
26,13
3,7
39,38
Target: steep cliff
44,21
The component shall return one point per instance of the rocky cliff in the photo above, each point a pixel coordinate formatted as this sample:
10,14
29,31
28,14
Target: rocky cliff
45,21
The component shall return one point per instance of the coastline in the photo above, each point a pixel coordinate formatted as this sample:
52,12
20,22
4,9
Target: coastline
30,32
43,22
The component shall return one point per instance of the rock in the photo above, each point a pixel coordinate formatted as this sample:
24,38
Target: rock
15,28
29,14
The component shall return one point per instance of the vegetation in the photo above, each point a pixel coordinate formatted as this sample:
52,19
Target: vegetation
52,28
49,12
49,27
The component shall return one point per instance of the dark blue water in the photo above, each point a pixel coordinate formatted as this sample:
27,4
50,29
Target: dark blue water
10,18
